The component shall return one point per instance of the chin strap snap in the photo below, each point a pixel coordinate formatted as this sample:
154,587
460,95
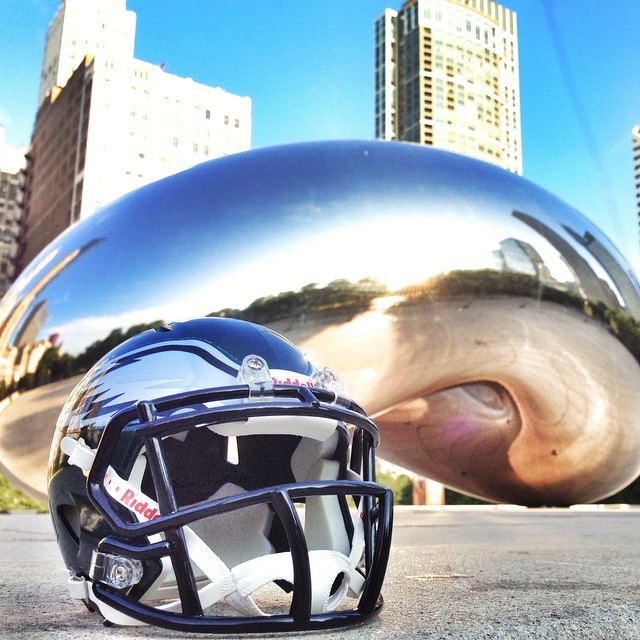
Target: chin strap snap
80,454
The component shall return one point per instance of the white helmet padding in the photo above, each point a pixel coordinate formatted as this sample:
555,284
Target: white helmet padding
312,459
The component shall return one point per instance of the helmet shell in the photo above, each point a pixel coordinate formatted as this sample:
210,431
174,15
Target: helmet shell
180,357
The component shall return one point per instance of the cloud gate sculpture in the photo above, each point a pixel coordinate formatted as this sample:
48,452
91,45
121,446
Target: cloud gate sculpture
489,327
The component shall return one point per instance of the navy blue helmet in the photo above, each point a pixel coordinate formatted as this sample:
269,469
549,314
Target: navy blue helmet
205,476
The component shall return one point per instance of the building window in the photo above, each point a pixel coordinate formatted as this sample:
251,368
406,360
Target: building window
207,114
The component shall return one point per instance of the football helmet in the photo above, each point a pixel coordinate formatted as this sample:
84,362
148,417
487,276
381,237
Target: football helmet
205,476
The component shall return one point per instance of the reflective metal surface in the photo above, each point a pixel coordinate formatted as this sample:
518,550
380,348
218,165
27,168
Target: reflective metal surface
489,327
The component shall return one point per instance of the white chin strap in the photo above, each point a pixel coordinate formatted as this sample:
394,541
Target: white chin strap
237,585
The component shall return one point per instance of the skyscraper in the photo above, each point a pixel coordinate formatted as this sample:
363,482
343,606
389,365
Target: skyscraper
82,27
635,137
109,123
446,75
12,164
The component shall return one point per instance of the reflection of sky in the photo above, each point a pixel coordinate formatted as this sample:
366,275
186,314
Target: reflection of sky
257,224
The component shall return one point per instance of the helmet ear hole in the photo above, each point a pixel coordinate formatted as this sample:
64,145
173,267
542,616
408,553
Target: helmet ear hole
68,516
337,592
337,583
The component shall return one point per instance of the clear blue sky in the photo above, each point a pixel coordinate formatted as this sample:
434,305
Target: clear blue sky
308,67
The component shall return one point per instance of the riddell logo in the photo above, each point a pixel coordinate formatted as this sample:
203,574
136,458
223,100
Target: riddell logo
146,507
287,377
294,381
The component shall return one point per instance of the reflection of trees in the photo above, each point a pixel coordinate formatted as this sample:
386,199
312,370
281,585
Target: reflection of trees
98,349
355,297
53,366
339,294
479,282
623,326
352,298
487,282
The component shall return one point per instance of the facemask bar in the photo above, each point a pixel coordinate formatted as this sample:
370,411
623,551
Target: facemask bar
153,421
153,426
299,617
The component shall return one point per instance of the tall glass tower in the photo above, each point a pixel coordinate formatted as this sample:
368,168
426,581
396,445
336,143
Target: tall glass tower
446,75
635,137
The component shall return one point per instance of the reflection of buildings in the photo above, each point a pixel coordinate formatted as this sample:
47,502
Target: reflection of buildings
12,163
521,257
625,281
591,286
24,354
20,353
446,75
127,122
27,334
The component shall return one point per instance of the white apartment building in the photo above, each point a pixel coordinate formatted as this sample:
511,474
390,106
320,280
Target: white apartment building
144,123
446,75
85,27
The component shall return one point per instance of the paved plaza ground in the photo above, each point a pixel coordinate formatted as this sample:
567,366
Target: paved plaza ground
478,572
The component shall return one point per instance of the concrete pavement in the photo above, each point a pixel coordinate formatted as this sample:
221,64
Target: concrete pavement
454,573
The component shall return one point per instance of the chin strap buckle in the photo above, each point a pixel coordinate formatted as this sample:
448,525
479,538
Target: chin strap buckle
78,587
80,454
116,571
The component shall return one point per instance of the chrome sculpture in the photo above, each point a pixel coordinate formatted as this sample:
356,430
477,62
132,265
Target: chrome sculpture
489,327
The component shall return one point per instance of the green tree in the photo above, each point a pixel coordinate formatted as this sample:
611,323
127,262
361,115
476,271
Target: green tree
400,483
